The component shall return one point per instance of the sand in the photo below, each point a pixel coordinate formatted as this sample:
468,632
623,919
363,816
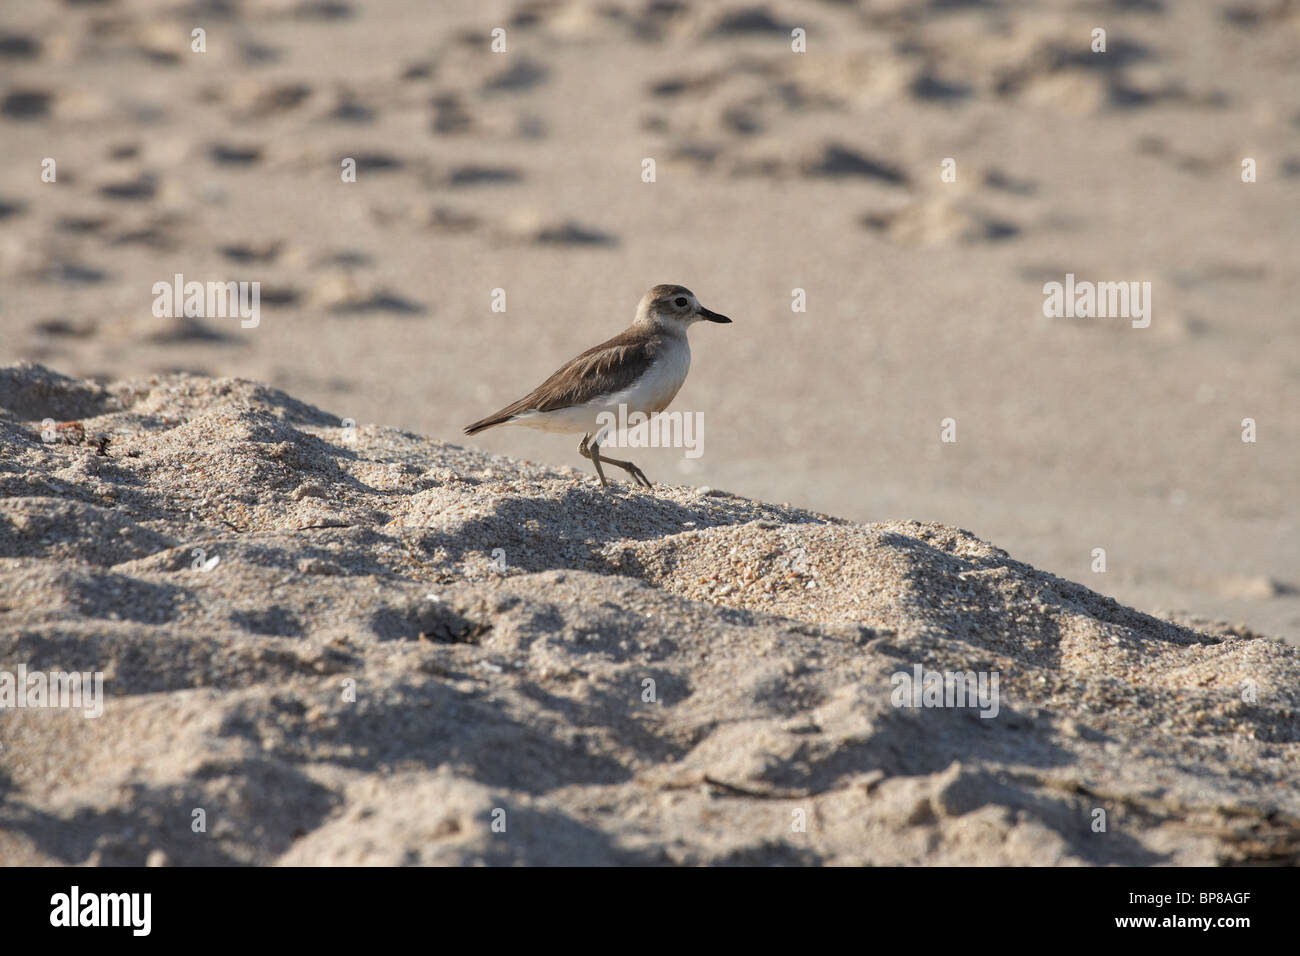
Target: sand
522,171
357,645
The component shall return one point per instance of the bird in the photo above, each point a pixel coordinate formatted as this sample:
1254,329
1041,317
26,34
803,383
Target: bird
641,369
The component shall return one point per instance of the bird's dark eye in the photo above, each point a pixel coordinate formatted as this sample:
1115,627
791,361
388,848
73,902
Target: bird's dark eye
680,302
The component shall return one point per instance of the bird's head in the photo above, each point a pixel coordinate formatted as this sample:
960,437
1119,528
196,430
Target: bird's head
673,308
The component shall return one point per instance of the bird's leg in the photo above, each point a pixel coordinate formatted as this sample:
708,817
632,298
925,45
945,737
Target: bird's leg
591,450
594,456
637,474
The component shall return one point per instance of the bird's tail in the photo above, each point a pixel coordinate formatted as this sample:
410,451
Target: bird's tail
498,419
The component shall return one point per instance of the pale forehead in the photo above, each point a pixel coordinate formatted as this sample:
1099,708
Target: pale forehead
665,293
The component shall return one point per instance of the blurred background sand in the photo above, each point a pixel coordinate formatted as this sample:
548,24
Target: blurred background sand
775,171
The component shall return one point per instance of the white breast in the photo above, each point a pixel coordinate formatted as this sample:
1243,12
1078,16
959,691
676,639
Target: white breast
659,385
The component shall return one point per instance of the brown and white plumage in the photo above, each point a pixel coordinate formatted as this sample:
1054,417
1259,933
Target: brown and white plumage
640,369
614,365
643,367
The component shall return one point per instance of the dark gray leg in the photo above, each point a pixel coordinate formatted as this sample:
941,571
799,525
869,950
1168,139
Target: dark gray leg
637,474
591,455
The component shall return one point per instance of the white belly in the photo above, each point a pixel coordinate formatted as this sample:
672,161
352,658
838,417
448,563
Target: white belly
651,393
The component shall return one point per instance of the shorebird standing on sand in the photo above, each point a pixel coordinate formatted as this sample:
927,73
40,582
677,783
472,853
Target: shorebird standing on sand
641,368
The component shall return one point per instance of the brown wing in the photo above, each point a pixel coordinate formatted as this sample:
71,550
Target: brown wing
610,366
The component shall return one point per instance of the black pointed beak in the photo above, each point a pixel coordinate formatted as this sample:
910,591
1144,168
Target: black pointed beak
711,316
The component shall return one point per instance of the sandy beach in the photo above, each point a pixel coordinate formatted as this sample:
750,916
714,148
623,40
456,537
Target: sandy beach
776,171
360,646
904,459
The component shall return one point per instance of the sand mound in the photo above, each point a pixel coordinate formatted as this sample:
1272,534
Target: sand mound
331,644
